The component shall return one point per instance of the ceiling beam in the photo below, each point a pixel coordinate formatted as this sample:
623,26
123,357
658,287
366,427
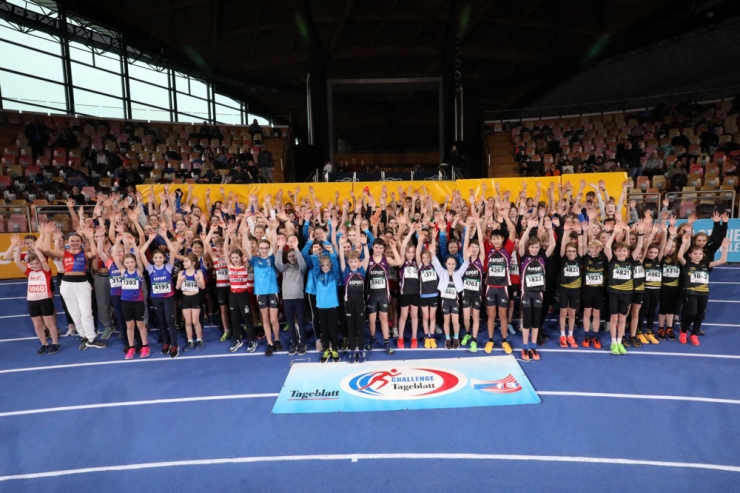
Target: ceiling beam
349,6
171,7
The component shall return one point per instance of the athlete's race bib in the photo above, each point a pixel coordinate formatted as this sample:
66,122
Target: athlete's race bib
622,274
572,271
514,268
411,272
594,279
222,275
377,283
496,270
535,280
653,275
189,286
471,284
450,293
699,277
428,275
161,288
115,282
130,283
671,271
639,272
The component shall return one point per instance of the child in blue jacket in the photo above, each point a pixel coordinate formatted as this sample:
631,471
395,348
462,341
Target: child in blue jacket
326,272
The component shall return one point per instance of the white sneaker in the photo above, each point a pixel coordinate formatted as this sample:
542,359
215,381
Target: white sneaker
319,346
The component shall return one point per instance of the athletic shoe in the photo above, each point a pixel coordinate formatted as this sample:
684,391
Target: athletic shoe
702,333
682,338
165,349
394,332
621,349
107,333
455,343
427,343
174,351
324,357
319,345
635,341
363,357
225,336
292,349
694,340
352,357
643,340
606,326
465,340
252,347
357,355
388,348
438,330
278,346
473,347
145,352
489,347
271,349
540,338
507,347
596,342
448,343
652,339
626,341
414,343
563,341
43,349
53,348
130,353
670,334
525,354
399,343
199,345
572,341
344,345
96,344
615,348
236,344
286,327
301,349
335,356
433,343
511,329
586,342
661,333
534,354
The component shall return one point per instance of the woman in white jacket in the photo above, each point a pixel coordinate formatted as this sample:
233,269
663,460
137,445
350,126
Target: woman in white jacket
450,286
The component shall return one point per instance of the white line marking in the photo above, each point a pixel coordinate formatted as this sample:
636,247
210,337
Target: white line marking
383,457
18,298
640,396
24,315
724,301
638,352
20,339
135,403
724,282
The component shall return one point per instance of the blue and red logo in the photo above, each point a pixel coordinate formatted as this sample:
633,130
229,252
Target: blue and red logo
406,383
507,385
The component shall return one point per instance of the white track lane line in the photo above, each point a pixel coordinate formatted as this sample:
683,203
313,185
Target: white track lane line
381,457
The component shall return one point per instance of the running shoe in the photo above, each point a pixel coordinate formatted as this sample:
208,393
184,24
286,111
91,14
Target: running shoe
301,349
702,333
615,348
642,338
414,343
438,330
388,348
190,346
53,348
278,346
174,351
394,332
682,337
324,357
586,342
107,333
455,343
335,356
351,356
344,345
286,327
252,347
694,340
465,340
525,355
621,349
448,343
165,349
399,342
473,347
670,334
43,349
145,352
563,341
369,345
96,344
534,354
292,349
236,344
507,347
199,345
363,357
661,333
572,341
225,336
130,353
626,341
511,329
652,339
635,341
433,343
540,339
489,347
271,349
596,342
427,343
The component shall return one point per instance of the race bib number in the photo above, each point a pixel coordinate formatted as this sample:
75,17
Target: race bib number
411,272
450,293
639,272
622,274
671,271
496,270
115,282
653,276
428,275
514,268
471,284
189,286
130,283
534,280
699,277
594,279
377,283
36,288
572,271
161,288
222,275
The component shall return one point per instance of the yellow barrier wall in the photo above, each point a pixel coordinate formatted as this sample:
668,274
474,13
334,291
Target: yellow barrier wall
8,270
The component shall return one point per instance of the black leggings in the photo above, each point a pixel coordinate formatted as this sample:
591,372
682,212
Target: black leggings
241,314
294,313
531,310
649,309
355,311
165,310
330,334
315,319
694,307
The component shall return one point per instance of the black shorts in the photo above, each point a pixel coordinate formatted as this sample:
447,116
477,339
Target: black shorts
593,298
497,297
377,304
669,298
133,310
513,291
191,302
222,294
268,301
473,302
450,307
638,297
569,297
41,308
410,299
431,301
619,303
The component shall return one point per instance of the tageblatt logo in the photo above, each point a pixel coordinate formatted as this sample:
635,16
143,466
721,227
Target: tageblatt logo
404,383
507,385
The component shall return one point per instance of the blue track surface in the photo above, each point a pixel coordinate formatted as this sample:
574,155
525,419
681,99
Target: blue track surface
534,447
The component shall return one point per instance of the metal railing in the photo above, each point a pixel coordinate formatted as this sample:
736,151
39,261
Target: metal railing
60,215
15,218
703,203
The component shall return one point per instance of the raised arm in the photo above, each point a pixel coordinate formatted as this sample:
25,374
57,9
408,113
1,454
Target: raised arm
723,258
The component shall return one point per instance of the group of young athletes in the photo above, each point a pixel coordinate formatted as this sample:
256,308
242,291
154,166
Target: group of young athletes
142,261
